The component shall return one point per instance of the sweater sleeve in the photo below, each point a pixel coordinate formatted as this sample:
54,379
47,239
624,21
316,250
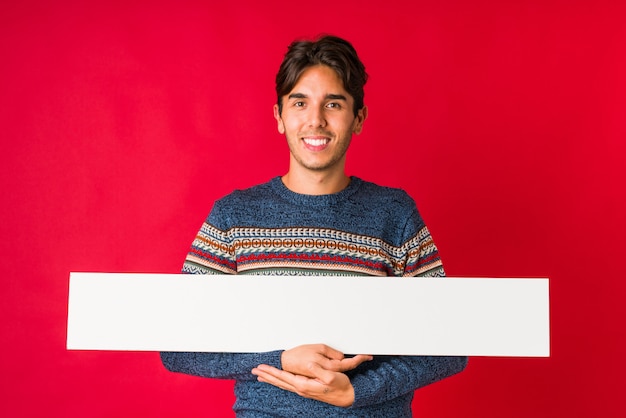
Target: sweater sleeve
219,365
391,376
387,377
421,256
211,253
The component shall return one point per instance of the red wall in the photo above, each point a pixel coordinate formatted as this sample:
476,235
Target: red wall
122,124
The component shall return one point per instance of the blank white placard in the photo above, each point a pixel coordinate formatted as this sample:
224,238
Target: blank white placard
370,315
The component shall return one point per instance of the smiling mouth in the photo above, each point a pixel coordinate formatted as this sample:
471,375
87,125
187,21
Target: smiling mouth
316,142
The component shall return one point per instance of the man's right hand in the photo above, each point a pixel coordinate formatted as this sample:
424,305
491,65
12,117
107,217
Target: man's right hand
298,360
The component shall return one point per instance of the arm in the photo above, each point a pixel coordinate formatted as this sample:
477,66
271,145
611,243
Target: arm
209,254
387,377
239,365
219,365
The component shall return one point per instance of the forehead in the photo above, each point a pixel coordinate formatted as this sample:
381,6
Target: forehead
319,78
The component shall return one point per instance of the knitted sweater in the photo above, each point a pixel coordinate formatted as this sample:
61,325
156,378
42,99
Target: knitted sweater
364,229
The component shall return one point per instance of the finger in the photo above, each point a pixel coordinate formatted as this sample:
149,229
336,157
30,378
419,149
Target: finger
271,371
345,364
353,362
274,376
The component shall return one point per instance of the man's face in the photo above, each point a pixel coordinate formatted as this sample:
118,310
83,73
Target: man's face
318,120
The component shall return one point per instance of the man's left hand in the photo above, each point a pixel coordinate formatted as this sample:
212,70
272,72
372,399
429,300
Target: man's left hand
327,386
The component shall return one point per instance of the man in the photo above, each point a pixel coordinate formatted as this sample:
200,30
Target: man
315,220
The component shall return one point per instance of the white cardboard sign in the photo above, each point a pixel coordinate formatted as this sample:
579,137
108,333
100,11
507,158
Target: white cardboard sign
368,315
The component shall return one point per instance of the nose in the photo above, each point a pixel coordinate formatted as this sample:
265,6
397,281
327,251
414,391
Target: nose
317,117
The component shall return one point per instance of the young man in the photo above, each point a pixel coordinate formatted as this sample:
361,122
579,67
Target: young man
315,220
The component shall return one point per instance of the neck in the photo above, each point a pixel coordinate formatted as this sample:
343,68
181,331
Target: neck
315,183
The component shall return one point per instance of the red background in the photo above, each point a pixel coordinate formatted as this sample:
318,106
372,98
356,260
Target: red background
121,124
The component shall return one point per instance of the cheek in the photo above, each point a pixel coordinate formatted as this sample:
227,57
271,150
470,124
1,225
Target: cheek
291,125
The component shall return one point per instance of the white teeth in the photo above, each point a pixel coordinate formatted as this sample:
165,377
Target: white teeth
316,142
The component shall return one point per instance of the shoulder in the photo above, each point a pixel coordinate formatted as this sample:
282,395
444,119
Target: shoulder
389,197
245,196
242,206
389,211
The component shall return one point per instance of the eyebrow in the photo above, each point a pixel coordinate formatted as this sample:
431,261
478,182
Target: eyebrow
327,97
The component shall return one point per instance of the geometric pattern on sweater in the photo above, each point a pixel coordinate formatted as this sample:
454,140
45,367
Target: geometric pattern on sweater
309,251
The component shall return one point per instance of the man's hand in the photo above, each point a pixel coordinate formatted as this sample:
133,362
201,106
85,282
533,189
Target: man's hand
324,385
314,371
298,360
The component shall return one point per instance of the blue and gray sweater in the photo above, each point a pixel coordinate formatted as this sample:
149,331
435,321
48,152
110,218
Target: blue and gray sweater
363,230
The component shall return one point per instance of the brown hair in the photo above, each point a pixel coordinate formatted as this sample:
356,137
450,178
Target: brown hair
331,51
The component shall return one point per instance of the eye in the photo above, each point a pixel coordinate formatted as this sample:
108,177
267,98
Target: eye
334,105
298,104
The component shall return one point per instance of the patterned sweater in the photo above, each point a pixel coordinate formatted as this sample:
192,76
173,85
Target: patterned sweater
363,230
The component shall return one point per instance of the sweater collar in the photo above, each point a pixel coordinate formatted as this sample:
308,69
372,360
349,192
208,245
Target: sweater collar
315,200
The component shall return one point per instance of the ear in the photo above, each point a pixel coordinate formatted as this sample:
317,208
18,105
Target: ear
361,115
279,120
